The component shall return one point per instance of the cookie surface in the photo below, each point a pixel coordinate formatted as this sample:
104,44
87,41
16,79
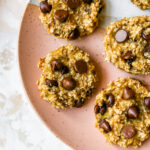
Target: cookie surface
68,77
122,112
70,19
143,4
127,44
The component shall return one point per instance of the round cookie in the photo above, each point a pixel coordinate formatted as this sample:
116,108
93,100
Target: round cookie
122,112
143,4
68,77
70,19
127,44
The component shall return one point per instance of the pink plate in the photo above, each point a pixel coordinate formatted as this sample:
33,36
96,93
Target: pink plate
76,126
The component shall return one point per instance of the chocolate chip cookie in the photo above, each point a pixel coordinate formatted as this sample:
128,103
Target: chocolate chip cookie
143,4
70,19
68,77
122,112
127,44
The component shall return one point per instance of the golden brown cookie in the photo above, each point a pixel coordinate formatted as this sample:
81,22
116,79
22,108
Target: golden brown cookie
143,4
127,44
68,77
70,19
122,112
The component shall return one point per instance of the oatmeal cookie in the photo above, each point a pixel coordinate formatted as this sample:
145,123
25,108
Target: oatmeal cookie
70,19
127,44
122,112
68,77
143,4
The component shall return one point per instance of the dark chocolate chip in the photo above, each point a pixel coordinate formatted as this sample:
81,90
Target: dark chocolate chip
51,83
128,93
74,34
133,112
87,1
129,58
130,61
146,52
146,36
61,15
79,103
88,10
103,109
100,10
105,125
64,70
96,109
128,55
147,102
121,36
89,92
56,34
73,3
129,131
110,100
80,66
68,83
45,7
56,65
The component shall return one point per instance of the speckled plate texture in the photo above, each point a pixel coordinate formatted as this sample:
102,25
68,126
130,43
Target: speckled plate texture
76,126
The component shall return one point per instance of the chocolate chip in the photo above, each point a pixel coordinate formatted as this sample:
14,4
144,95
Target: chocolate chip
147,102
96,109
105,125
68,83
79,103
103,109
129,131
128,93
130,61
121,36
128,55
129,58
89,92
73,3
64,70
56,65
100,10
61,15
146,52
110,100
146,36
51,83
133,112
87,1
80,66
56,34
88,10
74,34
45,7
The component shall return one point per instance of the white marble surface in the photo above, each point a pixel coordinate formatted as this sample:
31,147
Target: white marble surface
20,127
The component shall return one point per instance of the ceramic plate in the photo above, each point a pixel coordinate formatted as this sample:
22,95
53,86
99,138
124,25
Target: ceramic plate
76,126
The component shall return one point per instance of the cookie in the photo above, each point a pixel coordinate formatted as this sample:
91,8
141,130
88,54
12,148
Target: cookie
143,4
68,77
127,44
70,19
122,112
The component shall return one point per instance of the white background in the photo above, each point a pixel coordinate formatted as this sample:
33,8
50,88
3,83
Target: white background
20,127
